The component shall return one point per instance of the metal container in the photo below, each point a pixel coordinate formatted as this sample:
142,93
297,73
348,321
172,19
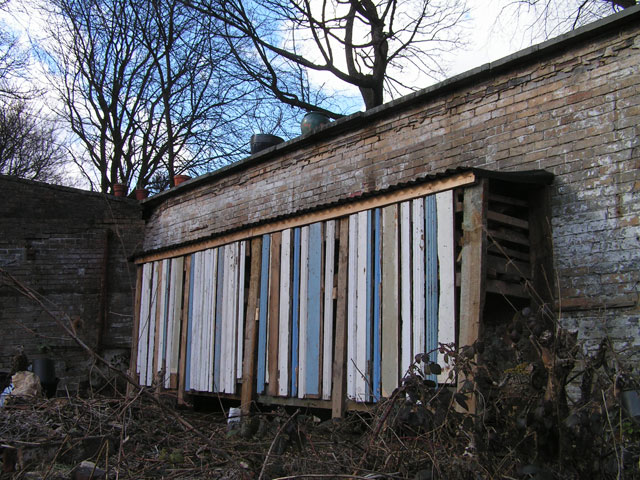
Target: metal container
260,141
313,120
631,403
45,369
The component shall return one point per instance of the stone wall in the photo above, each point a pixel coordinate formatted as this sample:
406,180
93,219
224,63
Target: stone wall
70,246
570,106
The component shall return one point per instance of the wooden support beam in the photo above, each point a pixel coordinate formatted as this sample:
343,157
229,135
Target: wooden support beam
274,311
338,394
184,321
251,329
507,220
502,265
473,272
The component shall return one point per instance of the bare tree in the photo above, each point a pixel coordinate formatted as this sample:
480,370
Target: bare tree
370,44
543,19
146,88
29,143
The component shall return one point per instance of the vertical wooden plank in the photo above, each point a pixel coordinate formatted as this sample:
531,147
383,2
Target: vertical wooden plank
431,278
362,307
405,285
229,317
418,285
251,330
223,328
184,331
302,334
284,314
218,339
473,269
200,295
161,325
390,356
327,335
205,292
177,286
352,305
169,323
376,293
143,335
163,365
240,305
153,321
338,393
135,333
274,310
295,312
446,270
262,322
212,281
189,323
314,310
195,322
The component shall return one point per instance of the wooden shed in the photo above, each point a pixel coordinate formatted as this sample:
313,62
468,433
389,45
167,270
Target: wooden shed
328,308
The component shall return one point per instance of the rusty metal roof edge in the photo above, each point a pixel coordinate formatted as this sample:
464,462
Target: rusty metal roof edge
530,177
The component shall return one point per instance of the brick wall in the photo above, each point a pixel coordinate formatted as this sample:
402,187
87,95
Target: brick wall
54,239
570,106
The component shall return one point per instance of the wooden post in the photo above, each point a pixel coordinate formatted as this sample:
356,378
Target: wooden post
184,320
251,329
473,271
274,310
338,394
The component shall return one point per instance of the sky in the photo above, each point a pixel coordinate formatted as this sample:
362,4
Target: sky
493,31
487,40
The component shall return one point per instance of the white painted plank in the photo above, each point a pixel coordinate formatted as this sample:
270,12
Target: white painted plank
203,365
418,340
196,319
327,335
225,341
143,329
446,266
152,324
240,329
352,306
361,309
233,317
405,285
285,308
166,354
302,331
163,311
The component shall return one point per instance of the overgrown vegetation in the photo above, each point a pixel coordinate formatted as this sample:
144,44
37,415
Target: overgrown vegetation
525,426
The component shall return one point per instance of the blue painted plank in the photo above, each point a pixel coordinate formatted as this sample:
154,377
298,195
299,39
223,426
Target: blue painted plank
377,291
431,277
295,312
217,352
262,319
369,311
187,375
314,309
